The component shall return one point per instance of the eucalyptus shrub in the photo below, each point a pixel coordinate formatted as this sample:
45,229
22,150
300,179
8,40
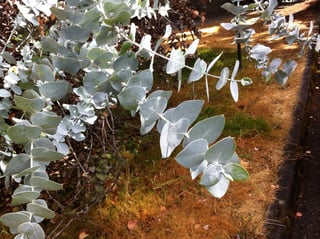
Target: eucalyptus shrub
93,41
278,26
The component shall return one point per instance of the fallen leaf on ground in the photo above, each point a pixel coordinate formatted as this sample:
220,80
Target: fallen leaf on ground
132,224
206,227
83,235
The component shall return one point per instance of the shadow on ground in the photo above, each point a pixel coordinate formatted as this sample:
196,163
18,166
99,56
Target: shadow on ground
295,213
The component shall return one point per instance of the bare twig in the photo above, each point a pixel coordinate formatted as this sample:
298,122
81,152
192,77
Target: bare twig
75,156
60,205
111,127
64,228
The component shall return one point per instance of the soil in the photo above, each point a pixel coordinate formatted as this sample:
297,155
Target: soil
308,166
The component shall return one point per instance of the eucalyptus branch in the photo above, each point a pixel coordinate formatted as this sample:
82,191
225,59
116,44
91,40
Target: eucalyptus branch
168,59
9,38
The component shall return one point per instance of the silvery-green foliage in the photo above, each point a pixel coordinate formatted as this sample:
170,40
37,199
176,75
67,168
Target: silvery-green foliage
91,40
279,27
317,42
30,9
260,53
282,75
218,163
10,82
240,23
233,83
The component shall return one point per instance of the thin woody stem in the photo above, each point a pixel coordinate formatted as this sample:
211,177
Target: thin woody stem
168,59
